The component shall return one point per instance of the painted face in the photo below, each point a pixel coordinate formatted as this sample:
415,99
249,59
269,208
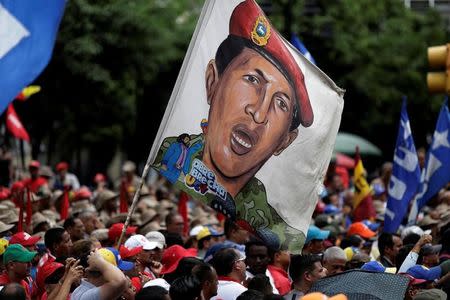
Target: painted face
251,107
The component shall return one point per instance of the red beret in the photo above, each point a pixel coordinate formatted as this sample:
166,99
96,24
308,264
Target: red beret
62,166
248,21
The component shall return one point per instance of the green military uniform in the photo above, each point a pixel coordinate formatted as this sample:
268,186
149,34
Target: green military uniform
251,203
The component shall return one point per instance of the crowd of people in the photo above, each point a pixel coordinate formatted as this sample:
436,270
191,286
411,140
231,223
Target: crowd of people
61,240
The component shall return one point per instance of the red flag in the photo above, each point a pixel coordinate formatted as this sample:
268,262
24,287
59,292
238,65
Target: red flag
183,211
14,125
65,204
29,208
123,206
19,201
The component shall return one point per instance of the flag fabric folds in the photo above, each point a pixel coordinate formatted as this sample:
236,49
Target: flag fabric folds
362,198
183,211
123,197
362,188
14,125
221,144
28,32
436,173
27,92
297,43
65,204
405,178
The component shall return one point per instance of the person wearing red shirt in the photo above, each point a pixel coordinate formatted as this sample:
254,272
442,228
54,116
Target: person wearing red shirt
35,181
17,262
278,270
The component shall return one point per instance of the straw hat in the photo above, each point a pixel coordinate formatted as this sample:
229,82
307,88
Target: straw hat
9,217
105,196
5,227
38,218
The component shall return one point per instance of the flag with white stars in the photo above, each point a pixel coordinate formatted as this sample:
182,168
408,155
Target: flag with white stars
405,177
436,173
27,35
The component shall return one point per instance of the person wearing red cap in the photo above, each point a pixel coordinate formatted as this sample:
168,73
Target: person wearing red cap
172,256
64,178
35,181
360,229
116,229
258,99
25,240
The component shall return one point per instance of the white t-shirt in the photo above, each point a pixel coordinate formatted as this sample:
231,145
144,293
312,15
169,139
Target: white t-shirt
228,290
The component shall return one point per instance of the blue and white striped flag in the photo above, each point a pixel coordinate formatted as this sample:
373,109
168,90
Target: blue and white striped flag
405,177
297,43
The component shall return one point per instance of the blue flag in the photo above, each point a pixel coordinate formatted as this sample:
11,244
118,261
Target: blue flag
436,173
405,178
297,43
28,32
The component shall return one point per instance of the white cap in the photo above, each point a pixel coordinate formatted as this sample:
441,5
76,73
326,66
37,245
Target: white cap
158,282
194,231
139,240
156,237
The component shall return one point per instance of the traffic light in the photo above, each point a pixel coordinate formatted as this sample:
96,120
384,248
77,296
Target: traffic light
439,58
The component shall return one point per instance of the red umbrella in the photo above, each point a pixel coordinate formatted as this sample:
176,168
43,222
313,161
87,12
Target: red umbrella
344,161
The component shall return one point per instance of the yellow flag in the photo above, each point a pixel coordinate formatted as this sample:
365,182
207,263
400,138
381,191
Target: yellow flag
362,188
28,91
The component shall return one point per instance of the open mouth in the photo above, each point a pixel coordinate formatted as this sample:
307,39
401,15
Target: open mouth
242,139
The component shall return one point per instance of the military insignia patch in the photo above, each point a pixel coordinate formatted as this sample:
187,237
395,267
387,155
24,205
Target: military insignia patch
261,31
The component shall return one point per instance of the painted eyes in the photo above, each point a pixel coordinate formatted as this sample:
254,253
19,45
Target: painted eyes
281,103
252,79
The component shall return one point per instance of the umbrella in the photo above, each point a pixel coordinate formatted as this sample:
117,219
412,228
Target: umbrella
363,285
343,160
347,142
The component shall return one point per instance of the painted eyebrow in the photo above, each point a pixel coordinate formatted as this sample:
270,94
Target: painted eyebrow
261,73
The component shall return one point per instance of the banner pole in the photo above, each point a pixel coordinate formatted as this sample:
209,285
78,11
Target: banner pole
135,199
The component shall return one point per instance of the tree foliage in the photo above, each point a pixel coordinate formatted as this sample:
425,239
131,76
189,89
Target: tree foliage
376,50
106,55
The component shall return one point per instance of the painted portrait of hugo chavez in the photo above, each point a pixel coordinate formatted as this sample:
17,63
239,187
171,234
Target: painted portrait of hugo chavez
257,100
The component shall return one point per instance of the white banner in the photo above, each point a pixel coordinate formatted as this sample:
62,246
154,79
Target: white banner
251,124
